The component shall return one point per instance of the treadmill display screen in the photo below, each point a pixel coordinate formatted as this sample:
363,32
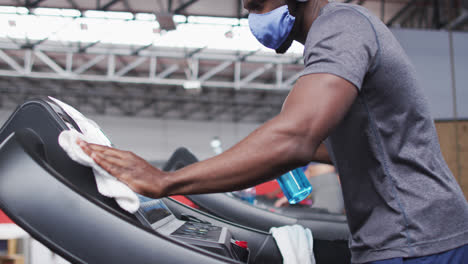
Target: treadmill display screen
154,210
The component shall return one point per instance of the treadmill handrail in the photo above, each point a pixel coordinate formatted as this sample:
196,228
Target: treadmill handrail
232,209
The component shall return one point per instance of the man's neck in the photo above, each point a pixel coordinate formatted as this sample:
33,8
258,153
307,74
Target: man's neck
311,11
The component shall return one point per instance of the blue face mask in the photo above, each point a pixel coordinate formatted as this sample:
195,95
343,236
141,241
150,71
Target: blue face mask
272,28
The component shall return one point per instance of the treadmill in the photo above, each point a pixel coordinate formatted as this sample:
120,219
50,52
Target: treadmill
330,231
56,201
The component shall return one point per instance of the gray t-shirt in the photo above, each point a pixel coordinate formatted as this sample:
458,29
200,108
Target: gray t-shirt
400,197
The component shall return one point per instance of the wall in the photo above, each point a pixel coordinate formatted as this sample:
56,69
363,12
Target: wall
460,46
430,53
453,137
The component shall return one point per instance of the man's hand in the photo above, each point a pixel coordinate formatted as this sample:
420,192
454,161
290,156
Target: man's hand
134,171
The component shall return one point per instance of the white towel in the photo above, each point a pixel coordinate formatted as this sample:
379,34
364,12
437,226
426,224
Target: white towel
107,184
295,244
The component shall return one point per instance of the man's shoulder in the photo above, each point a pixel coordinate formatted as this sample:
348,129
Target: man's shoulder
343,14
338,18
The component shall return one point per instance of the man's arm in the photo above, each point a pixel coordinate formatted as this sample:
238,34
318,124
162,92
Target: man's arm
321,155
315,105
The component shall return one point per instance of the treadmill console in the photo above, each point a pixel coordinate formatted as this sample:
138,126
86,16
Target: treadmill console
153,213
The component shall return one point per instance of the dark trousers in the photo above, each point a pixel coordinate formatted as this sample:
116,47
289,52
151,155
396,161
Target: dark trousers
454,256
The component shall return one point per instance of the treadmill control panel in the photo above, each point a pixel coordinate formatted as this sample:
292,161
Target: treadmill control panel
194,230
155,214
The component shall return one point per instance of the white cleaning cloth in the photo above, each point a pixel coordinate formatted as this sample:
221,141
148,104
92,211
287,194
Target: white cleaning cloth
295,244
107,184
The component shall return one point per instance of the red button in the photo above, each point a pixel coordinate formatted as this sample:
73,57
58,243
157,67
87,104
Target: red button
242,244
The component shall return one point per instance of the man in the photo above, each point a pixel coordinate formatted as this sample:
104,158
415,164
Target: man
359,91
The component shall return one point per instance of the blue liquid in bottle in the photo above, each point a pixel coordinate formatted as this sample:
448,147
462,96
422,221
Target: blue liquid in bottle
295,185
249,195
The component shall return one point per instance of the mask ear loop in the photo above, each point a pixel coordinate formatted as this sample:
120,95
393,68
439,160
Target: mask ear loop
289,40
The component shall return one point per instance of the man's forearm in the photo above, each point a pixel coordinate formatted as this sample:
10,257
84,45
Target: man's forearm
268,152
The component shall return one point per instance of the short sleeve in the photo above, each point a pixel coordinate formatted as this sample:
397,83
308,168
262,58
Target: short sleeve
342,43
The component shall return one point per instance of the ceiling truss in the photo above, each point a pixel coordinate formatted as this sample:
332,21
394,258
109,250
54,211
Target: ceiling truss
159,67
133,81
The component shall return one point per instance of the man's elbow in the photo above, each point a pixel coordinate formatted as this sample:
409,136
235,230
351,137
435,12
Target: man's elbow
303,146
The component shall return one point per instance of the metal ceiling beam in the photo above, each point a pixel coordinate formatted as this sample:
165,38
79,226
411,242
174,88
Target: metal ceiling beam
137,62
169,6
86,47
113,65
401,12
49,62
194,52
28,62
436,23
183,6
168,71
142,48
10,61
109,5
382,8
461,20
256,74
127,5
240,8
215,70
73,4
89,64
409,16
30,4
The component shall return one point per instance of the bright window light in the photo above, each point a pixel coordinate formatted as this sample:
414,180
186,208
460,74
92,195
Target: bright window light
22,10
244,22
14,10
109,15
8,9
56,12
213,20
145,17
119,15
180,19
47,11
94,14
119,28
71,13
